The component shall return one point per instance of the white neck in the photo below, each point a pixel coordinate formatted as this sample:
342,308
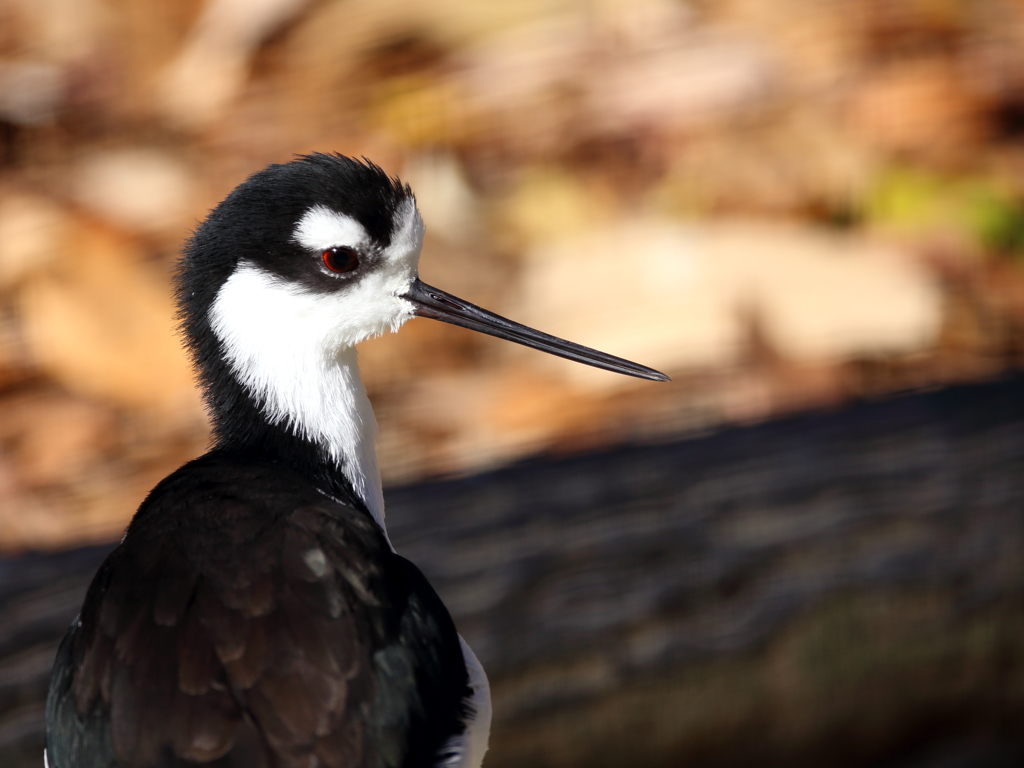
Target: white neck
283,347
342,421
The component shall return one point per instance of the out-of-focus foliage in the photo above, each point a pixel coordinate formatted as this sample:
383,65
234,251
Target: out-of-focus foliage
987,214
785,205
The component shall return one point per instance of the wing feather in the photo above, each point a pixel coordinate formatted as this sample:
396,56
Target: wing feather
233,629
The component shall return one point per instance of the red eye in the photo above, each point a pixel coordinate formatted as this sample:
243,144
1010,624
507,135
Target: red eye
341,259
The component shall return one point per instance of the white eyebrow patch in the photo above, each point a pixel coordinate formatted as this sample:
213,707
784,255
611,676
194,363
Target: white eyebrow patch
321,228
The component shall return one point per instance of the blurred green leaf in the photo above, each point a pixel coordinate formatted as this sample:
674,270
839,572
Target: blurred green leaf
917,202
998,222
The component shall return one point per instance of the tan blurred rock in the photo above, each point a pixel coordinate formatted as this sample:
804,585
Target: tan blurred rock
805,159
54,438
14,365
95,508
921,105
642,290
52,446
675,297
27,520
58,30
641,24
143,190
512,67
417,111
530,410
102,324
33,230
816,44
704,78
548,204
105,500
614,68
30,92
824,297
526,81
473,420
213,65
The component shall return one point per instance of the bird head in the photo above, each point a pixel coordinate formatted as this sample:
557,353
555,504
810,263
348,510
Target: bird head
306,259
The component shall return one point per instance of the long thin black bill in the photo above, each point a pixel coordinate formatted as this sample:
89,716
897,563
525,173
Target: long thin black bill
438,305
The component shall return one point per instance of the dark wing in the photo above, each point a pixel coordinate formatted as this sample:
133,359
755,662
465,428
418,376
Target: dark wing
246,621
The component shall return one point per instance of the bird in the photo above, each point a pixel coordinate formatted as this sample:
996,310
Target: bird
255,613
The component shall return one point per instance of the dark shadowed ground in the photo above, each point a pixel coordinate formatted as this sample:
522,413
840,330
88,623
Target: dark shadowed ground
836,589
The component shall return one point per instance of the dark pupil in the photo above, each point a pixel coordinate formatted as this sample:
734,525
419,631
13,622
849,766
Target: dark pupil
341,259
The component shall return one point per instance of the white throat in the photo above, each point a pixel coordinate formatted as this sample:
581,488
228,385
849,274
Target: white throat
299,378
293,349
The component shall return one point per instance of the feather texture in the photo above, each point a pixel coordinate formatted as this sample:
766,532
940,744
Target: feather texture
243,631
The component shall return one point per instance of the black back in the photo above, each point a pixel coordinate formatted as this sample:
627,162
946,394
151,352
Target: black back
246,620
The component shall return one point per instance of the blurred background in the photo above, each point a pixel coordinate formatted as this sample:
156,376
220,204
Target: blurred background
790,207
